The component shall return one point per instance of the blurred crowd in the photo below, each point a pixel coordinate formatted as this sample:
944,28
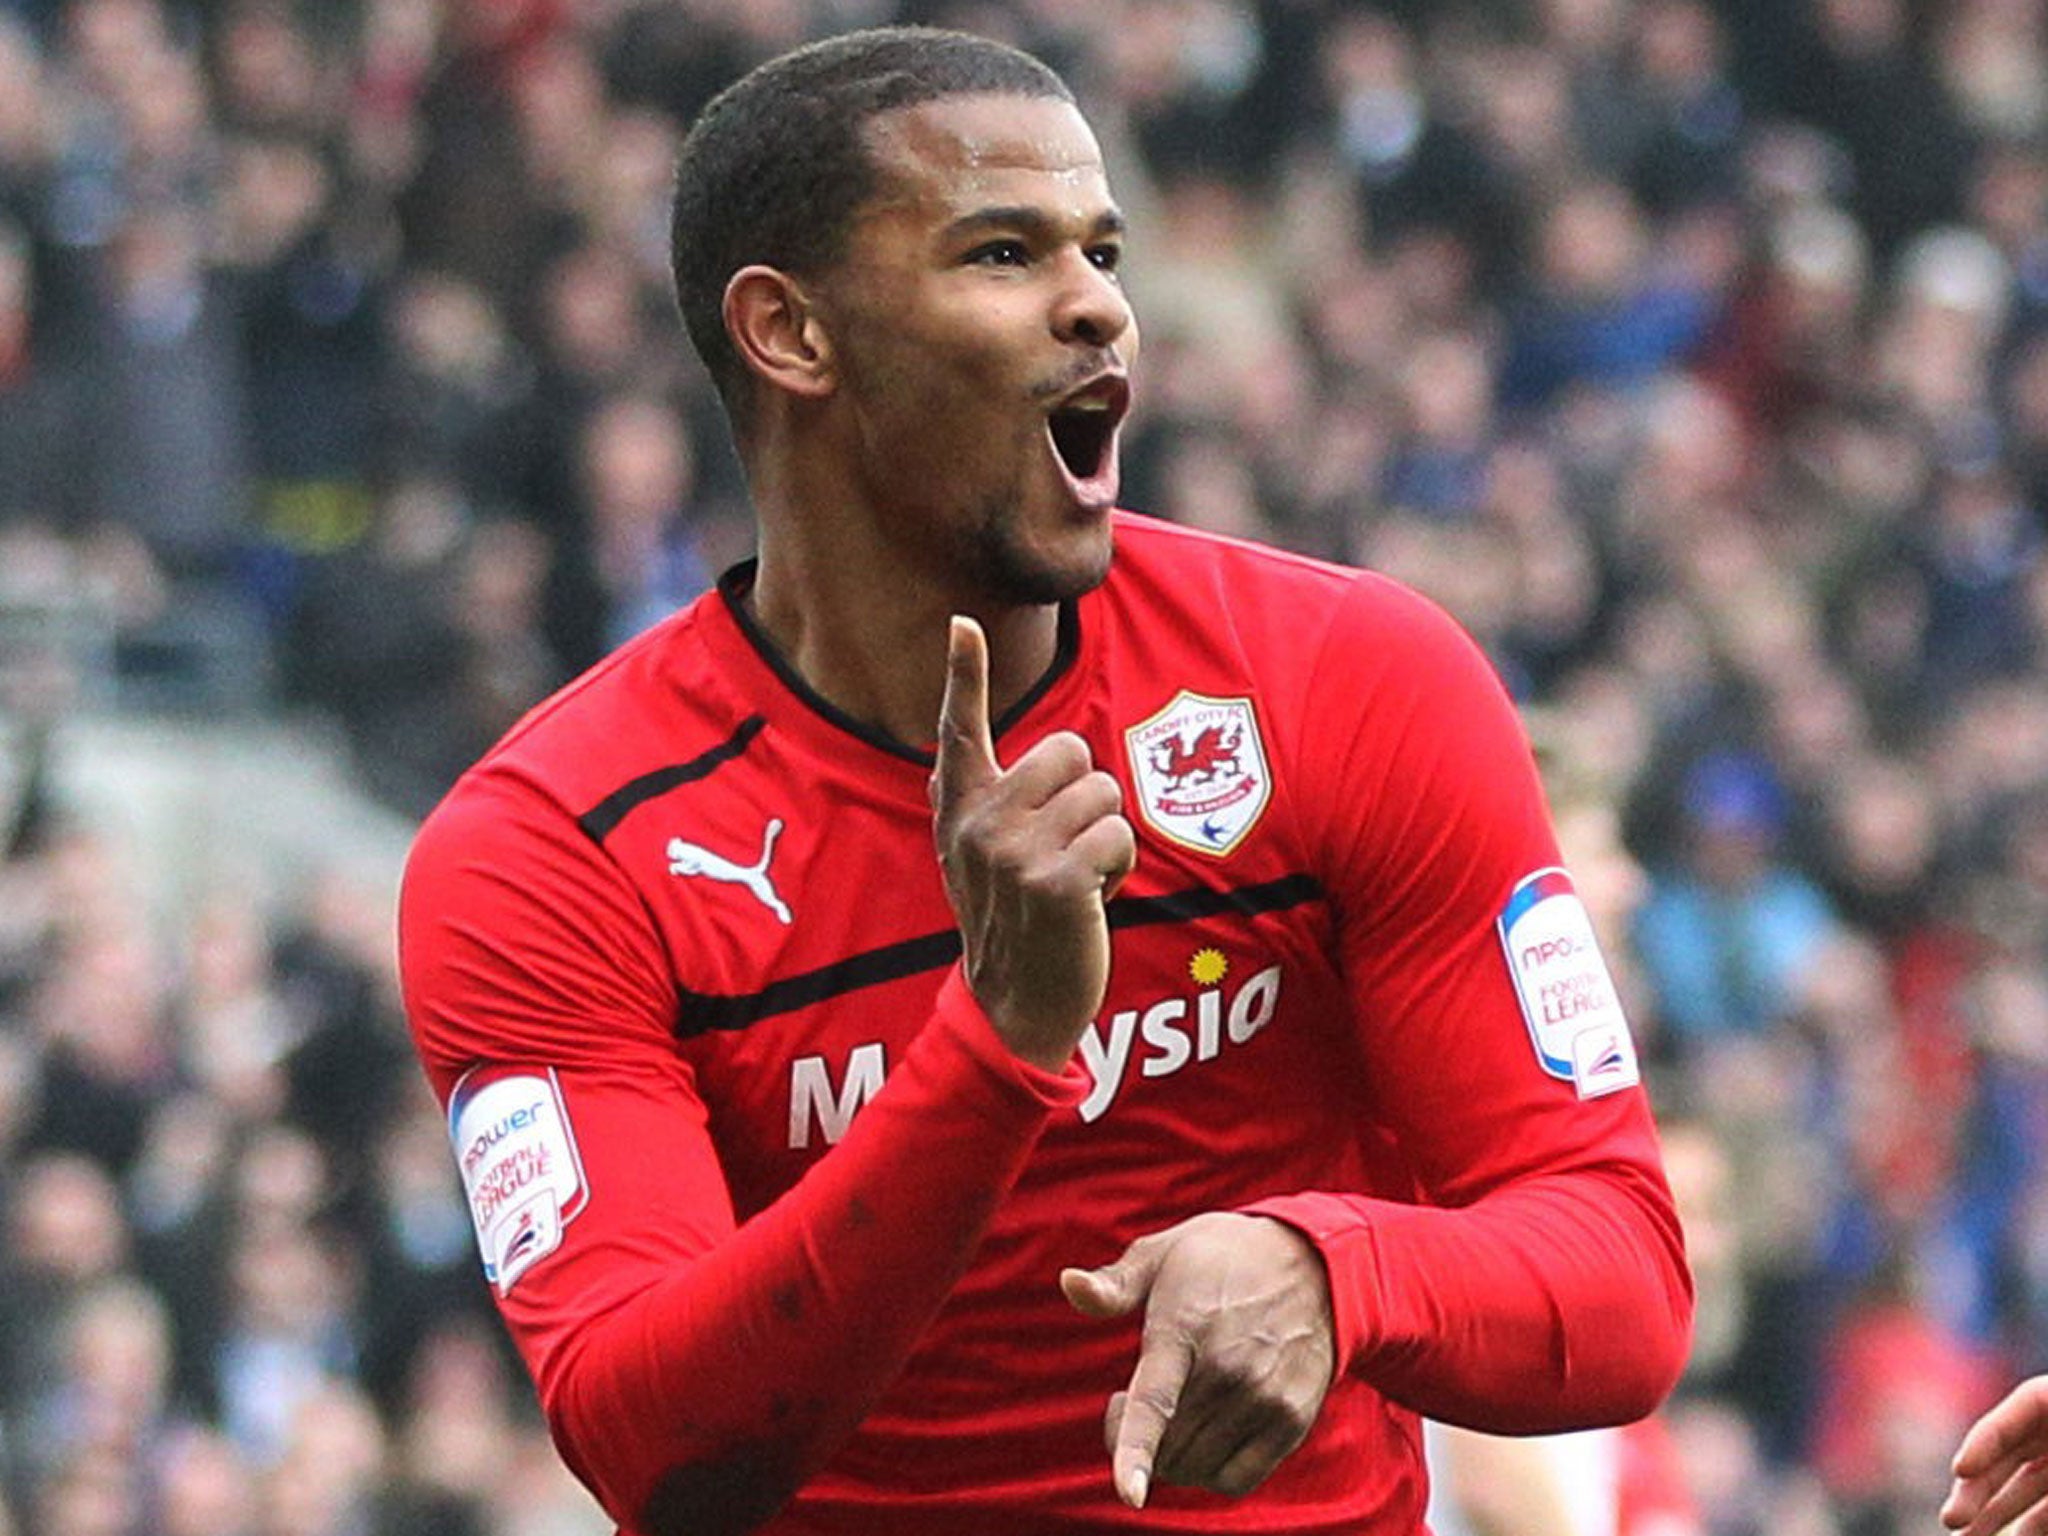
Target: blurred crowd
1694,353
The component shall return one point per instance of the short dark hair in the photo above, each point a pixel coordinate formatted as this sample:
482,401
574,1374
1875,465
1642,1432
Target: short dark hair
777,165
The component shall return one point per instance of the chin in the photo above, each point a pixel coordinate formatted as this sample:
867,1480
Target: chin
1022,575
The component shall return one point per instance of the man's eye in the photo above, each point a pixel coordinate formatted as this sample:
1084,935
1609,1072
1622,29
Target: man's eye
999,253
1107,257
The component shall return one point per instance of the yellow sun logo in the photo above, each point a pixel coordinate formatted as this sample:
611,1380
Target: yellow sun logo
1208,967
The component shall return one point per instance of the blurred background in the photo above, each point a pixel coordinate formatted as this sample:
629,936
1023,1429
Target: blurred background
1693,352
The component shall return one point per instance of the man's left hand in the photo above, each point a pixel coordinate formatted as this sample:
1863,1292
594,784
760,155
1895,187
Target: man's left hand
1237,1351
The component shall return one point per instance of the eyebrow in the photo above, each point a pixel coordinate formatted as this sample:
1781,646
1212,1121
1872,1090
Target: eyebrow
1030,220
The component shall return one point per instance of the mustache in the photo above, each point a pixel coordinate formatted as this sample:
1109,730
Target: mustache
1088,366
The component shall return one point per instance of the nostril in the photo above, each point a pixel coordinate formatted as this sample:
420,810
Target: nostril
1096,318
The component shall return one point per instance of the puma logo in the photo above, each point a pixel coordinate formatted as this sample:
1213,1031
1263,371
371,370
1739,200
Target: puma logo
689,859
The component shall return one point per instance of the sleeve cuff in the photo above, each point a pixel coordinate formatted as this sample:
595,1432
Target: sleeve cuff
1343,1234
961,1018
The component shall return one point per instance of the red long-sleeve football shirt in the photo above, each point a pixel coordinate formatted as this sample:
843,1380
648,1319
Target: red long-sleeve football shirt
777,1221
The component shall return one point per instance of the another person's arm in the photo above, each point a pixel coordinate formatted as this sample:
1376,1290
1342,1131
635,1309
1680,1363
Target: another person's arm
1535,1485
2001,1468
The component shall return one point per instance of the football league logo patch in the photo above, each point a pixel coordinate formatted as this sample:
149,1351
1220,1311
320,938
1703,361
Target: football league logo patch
520,1167
1200,771
1568,998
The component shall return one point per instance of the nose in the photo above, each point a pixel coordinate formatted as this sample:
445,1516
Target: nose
1091,308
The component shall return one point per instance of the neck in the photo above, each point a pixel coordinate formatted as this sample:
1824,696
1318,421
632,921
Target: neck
873,642
15,357
861,617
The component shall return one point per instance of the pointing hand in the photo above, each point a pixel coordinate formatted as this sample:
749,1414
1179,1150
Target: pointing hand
1237,1353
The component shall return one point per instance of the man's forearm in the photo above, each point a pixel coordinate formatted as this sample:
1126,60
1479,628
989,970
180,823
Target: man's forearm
705,1401
1558,1302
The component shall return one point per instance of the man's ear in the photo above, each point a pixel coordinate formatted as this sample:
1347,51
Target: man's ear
776,329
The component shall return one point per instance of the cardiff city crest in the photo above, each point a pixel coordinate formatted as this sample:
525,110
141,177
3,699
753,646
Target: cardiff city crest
1200,771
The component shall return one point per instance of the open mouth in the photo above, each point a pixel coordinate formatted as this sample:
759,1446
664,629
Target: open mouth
1083,426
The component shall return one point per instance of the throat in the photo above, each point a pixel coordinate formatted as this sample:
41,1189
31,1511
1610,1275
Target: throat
875,662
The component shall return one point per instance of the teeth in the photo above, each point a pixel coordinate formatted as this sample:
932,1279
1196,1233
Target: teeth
1099,406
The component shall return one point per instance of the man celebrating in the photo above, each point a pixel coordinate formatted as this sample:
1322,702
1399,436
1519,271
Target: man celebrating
1241,1080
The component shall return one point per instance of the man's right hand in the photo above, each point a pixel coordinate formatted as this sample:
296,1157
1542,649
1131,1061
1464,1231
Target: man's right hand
1030,854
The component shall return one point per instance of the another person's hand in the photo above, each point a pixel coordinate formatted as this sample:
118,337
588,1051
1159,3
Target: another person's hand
1238,1351
1030,852
2001,1468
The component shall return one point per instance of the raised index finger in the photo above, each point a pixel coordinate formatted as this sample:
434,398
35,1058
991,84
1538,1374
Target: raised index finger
966,755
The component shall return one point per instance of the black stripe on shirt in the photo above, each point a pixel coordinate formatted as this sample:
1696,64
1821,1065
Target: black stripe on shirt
1207,901
702,1012
599,821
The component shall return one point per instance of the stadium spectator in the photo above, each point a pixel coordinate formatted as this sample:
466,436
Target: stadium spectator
1731,936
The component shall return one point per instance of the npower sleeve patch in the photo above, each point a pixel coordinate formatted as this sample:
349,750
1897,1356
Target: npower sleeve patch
1568,998
519,1165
